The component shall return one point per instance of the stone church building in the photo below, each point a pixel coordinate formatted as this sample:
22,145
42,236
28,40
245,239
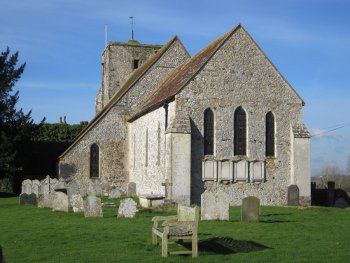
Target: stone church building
177,125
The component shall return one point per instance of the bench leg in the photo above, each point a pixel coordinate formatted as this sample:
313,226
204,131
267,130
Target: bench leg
194,247
164,246
154,239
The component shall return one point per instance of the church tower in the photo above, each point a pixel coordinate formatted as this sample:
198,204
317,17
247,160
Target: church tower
119,60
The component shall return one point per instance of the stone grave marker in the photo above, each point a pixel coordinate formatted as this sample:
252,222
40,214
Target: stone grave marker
131,189
115,193
27,187
27,199
127,208
72,189
215,205
35,187
77,202
45,200
44,187
293,195
250,209
92,207
60,202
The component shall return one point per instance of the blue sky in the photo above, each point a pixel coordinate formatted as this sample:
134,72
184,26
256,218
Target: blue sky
62,41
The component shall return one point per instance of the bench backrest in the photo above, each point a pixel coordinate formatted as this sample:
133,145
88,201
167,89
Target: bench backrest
186,213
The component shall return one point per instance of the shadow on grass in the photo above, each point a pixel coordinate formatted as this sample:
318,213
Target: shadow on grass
227,245
275,221
277,214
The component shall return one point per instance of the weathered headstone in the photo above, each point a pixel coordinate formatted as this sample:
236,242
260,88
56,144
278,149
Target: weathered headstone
127,208
72,189
44,187
35,187
27,187
115,193
293,195
250,209
27,199
61,184
46,200
60,202
92,207
131,189
215,205
77,203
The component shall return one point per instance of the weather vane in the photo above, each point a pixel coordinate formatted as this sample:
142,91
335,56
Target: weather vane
132,26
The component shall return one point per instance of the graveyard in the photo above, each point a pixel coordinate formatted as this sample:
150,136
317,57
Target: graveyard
282,234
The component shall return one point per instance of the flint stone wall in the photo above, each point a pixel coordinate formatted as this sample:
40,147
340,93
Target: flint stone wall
239,74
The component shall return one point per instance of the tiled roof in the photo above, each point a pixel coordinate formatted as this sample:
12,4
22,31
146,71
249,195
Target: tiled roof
180,77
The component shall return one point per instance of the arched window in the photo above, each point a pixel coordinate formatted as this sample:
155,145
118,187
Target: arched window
208,132
94,161
240,132
270,134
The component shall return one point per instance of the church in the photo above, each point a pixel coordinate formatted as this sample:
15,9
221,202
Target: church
176,126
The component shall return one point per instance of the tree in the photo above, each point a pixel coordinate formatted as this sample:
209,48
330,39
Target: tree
16,127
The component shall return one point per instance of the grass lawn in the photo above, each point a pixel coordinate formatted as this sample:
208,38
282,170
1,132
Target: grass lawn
284,234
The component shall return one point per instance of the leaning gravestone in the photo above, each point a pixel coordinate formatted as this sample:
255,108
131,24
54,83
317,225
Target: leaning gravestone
77,202
293,195
131,189
215,205
60,202
250,209
115,193
93,207
127,208
27,199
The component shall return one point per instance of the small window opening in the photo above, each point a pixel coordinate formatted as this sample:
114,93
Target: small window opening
136,63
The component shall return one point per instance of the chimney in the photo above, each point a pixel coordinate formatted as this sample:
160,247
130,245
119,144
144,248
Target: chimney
60,119
64,120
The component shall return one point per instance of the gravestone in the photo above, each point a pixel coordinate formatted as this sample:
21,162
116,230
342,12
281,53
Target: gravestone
250,209
293,195
215,205
92,207
77,202
27,187
45,200
127,208
60,202
27,199
44,187
131,189
72,189
115,193
35,187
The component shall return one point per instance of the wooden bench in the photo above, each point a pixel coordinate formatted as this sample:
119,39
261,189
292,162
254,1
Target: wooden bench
175,229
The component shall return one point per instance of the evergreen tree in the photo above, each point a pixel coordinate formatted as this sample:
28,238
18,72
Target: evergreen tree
16,127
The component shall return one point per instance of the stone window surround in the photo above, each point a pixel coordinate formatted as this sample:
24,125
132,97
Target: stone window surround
99,162
246,131
274,137
209,109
